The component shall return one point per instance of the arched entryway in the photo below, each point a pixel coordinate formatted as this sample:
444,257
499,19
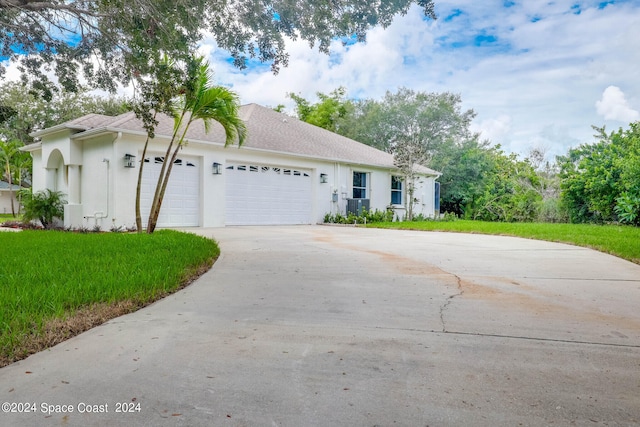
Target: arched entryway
63,177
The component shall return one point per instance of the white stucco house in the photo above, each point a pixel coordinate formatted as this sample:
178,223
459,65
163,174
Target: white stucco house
287,172
7,195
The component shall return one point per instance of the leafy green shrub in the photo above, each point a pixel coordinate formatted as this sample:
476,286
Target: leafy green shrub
365,218
368,217
378,216
44,206
446,217
553,210
449,217
628,208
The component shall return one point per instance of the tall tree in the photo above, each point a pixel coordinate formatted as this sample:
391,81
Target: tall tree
466,168
364,123
508,193
113,41
22,113
415,127
161,93
11,160
419,128
329,112
430,119
199,100
547,186
601,181
409,155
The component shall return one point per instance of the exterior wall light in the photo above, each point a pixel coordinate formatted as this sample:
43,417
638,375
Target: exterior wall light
324,178
129,161
217,168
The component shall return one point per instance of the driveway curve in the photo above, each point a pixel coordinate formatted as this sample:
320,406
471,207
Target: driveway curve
328,326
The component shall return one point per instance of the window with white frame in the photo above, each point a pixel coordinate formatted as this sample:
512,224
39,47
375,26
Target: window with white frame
396,190
359,185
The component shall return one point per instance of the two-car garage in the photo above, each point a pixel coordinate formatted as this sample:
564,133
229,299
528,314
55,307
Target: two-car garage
286,172
255,194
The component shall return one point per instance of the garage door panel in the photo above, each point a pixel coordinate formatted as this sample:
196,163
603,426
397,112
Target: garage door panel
258,194
181,202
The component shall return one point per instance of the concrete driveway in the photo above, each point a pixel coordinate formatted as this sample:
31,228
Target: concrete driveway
340,326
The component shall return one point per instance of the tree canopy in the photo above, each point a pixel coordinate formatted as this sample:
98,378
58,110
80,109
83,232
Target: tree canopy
114,41
600,182
22,113
479,180
328,113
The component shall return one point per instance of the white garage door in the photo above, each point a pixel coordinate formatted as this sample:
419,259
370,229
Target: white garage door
181,203
267,195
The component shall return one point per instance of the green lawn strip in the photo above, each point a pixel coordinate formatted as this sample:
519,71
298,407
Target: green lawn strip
621,241
49,277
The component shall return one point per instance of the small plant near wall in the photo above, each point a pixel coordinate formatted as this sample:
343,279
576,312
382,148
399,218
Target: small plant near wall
368,217
364,218
446,217
44,206
628,208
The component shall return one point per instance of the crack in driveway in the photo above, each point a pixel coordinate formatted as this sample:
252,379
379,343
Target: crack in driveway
449,300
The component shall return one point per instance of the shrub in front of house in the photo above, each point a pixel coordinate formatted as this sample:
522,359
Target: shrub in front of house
45,206
365,218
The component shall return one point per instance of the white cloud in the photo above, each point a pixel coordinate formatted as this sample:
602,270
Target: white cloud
530,71
614,106
11,71
524,69
493,129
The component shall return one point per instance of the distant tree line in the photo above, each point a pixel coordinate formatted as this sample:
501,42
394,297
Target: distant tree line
600,182
596,182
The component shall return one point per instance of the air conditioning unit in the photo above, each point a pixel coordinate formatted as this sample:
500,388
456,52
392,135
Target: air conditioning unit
355,206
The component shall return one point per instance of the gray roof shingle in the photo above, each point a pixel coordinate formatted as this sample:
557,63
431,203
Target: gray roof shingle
4,185
267,130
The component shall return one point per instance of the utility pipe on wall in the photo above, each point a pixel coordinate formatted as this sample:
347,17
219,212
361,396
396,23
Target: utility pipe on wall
99,214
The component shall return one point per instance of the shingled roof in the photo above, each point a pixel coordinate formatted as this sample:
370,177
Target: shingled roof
4,185
267,130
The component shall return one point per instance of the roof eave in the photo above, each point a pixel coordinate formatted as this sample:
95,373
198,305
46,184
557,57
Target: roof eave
32,147
326,159
55,129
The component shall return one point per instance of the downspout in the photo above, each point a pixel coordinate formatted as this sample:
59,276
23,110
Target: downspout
113,218
105,214
338,188
100,214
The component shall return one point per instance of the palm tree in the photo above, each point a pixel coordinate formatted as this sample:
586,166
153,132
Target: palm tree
162,91
23,165
44,206
200,100
8,154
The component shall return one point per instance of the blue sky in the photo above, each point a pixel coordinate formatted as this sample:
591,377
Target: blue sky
538,74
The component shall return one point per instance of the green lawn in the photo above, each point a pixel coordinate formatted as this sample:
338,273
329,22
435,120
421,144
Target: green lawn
56,284
621,241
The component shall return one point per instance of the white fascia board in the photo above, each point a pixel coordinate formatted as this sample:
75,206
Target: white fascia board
36,146
94,132
54,129
322,159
